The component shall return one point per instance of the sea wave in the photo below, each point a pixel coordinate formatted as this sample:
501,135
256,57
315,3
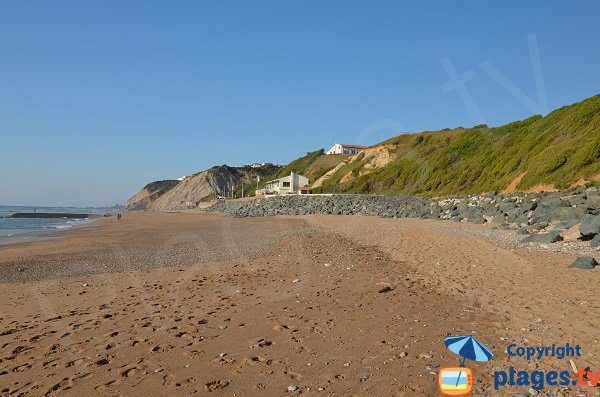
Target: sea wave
10,227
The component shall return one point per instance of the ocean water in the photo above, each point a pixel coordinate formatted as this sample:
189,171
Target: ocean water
12,227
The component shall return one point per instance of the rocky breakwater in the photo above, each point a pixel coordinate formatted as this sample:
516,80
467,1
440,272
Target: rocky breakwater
546,217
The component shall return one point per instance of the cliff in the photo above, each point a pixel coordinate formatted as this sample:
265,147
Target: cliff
558,151
149,193
197,188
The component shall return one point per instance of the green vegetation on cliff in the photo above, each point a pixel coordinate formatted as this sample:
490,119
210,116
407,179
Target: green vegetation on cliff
158,188
300,165
557,150
312,165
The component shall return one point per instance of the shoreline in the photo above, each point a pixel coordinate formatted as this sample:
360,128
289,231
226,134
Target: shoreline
137,241
47,234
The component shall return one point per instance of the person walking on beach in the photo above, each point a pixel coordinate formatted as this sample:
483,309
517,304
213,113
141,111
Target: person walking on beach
119,216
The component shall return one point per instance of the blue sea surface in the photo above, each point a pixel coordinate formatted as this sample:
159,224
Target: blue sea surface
15,226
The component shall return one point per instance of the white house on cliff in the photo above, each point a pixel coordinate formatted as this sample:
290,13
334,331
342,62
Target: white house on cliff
342,148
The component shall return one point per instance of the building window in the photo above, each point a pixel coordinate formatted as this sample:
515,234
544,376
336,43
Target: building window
286,184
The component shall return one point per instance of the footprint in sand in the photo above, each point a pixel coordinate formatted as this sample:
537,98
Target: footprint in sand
74,363
22,367
216,385
129,371
64,384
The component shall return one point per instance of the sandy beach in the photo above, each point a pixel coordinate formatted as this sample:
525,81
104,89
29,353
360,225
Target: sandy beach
180,304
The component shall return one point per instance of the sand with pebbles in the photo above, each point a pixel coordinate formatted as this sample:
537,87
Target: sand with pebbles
193,304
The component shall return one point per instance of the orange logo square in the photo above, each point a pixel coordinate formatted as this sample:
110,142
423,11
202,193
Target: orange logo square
455,381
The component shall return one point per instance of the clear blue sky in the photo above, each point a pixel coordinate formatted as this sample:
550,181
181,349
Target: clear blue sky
97,98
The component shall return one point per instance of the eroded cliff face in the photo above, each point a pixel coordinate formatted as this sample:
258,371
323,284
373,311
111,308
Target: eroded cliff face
192,190
138,201
200,187
149,193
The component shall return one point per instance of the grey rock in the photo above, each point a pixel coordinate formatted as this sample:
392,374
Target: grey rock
507,207
552,202
590,225
545,238
539,226
528,206
593,202
584,262
567,213
566,225
477,219
574,200
595,241
499,220
541,214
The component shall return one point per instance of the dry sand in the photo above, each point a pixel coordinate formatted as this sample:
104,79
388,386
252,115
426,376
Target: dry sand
193,304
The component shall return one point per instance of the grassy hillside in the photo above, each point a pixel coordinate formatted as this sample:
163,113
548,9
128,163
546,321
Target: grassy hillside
313,165
556,151
299,165
322,165
249,186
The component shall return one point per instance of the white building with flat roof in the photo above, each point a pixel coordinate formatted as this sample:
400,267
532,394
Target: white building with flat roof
291,184
343,148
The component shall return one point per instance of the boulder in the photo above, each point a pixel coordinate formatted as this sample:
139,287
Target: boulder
539,226
523,219
506,207
584,262
545,238
552,202
593,202
528,206
499,219
595,241
571,234
590,225
568,224
477,219
567,214
541,214
574,200
513,214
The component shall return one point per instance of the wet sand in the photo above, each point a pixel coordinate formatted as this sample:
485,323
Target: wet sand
193,304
